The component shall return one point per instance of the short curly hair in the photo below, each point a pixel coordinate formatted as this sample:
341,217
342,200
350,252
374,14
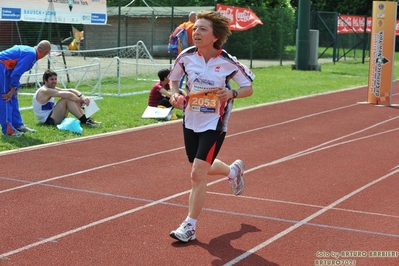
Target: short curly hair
48,73
220,26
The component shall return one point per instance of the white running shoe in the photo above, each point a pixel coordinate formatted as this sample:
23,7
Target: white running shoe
16,134
184,233
25,129
237,182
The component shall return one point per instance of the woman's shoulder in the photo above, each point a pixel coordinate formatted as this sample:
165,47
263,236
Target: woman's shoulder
187,52
228,56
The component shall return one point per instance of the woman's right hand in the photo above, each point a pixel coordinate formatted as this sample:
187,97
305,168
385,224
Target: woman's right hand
174,99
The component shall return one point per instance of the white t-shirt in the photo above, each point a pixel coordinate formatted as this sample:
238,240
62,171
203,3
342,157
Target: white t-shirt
204,111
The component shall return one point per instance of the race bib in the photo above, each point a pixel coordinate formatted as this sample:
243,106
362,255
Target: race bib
204,102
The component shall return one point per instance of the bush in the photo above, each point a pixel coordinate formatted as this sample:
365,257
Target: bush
265,38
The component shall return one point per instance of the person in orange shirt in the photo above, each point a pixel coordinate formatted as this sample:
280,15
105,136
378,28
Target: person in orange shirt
188,25
192,17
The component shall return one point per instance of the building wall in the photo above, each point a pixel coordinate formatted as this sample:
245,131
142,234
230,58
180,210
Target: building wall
8,34
154,32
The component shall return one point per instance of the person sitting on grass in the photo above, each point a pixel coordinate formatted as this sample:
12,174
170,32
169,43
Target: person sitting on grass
71,101
160,92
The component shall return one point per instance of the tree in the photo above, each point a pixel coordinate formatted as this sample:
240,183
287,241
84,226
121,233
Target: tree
351,7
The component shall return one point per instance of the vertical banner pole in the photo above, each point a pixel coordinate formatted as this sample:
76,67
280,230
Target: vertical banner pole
382,51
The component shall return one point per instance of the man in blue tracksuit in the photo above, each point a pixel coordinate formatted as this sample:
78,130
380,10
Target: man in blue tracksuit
14,62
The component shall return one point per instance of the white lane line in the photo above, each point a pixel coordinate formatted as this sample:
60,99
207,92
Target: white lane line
53,238
306,220
294,120
305,205
88,170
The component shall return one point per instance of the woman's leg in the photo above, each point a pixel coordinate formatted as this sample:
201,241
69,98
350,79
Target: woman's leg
199,177
219,168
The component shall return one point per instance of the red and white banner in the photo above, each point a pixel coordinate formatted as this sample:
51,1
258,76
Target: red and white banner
241,18
351,24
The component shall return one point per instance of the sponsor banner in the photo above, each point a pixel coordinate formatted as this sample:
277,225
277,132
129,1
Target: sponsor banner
56,11
241,18
382,50
351,24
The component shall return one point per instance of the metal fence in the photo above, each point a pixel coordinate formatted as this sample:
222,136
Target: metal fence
274,40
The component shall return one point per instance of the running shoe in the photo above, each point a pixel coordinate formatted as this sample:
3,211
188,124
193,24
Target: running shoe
16,134
90,122
25,129
237,182
184,233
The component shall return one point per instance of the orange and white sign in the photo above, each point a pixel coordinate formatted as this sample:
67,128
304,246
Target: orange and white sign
382,50
241,18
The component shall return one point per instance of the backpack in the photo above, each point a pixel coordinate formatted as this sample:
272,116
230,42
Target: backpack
173,45
178,41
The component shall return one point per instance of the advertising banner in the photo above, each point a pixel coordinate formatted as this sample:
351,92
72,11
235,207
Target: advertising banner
351,24
382,50
56,11
241,18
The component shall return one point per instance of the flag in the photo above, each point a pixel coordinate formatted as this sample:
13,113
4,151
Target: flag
240,18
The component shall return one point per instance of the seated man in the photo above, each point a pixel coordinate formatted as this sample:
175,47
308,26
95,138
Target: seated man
50,113
160,92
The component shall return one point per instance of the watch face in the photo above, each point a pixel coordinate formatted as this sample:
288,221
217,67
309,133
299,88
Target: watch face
235,93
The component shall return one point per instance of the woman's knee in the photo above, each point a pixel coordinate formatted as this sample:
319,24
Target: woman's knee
199,171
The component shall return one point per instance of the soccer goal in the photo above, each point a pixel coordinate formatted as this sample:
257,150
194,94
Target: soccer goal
126,70
131,69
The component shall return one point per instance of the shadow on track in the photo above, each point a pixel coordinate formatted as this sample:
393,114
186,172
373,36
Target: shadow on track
220,247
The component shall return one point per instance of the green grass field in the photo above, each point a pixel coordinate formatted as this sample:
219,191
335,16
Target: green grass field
272,84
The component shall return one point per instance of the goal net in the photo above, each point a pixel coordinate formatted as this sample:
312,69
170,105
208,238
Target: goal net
123,70
127,69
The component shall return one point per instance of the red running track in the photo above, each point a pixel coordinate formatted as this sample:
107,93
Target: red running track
322,179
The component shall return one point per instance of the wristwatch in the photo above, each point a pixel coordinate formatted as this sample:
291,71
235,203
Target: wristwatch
235,94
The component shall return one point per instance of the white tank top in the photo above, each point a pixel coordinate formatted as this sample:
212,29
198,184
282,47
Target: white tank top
42,111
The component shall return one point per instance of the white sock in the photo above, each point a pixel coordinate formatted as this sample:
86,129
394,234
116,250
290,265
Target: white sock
232,173
192,221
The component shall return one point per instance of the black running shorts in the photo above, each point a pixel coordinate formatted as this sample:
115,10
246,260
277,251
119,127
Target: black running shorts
204,145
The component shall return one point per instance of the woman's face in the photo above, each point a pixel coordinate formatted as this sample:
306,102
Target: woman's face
203,33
